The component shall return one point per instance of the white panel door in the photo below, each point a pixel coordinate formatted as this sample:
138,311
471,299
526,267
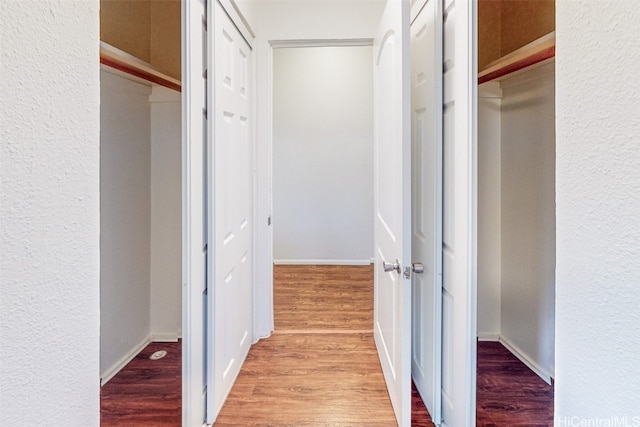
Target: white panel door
392,200
426,141
194,238
459,213
230,266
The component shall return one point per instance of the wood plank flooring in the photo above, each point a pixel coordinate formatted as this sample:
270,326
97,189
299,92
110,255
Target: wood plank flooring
323,297
146,392
310,380
508,392
320,367
318,370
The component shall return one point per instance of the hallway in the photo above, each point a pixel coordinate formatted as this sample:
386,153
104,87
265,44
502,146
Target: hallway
320,367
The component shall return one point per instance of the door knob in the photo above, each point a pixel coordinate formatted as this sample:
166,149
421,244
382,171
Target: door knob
390,266
417,267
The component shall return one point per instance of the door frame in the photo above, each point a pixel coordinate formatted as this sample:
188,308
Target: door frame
263,243
194,347
263,291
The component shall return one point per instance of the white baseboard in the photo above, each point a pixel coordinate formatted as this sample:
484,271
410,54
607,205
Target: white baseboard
322,261
517,352
166,337
122,362
488,337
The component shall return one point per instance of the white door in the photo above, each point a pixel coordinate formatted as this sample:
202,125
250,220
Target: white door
230,236
194,239
459,213
392,199
426,141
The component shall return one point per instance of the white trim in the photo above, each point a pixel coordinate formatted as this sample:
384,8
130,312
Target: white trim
524,358
193,408
488,337
278,44
322,261
123,361
490,89
416,8
238,19
165,337
161,94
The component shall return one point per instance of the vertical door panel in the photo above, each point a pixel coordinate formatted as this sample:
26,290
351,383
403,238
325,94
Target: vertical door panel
426,122
392,198
459,275
194,216
230,296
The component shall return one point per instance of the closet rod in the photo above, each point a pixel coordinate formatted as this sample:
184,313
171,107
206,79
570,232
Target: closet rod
129,64
537,51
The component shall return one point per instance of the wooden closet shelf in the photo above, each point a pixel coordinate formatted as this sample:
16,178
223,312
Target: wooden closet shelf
122,61
533,53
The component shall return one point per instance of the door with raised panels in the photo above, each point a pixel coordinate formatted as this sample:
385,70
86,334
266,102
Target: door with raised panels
426,143
392,199
459,206
230,236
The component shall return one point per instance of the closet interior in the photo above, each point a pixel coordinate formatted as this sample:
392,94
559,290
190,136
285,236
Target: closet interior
140,178
516,179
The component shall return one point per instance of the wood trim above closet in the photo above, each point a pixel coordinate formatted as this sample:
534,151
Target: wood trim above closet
537,51
129,64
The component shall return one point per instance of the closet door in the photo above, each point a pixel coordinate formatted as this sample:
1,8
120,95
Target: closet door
426,200
230,235
459,215
194,234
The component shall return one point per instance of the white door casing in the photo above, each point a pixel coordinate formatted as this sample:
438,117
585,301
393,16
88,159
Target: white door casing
392,199
459,215
230,264
426,124
194,140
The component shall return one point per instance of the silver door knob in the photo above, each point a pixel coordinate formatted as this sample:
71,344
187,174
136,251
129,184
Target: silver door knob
390,266
417,267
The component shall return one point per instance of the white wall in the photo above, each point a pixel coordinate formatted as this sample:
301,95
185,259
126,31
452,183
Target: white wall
528,216
489,211
598,206
49,209
323,154
290,20
166,211
125,217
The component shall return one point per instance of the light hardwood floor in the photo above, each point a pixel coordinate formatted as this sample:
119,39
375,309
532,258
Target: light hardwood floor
320,367
323,298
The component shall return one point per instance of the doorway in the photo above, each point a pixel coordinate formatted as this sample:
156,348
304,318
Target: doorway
323,155
140,281
516,245
323,187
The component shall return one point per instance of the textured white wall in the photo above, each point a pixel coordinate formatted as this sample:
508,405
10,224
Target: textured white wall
489,212
49,210
125,217
166,211
323,154
598,211
528,215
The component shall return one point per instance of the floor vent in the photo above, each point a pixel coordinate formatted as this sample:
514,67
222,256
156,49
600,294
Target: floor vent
158,355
